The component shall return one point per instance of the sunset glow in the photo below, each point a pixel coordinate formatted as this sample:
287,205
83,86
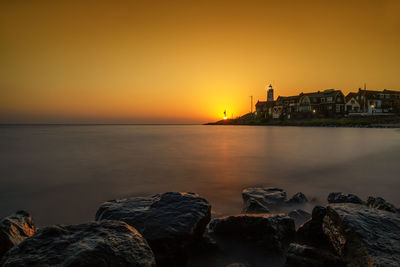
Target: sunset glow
184,62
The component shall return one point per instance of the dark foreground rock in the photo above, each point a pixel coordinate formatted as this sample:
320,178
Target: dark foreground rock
299,216
14,229
106,243
250,239
170,222
381,204
363,236
238,264
272,232
307,256
338,197
311,232
270,198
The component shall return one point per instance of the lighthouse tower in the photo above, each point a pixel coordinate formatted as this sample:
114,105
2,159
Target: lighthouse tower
270,94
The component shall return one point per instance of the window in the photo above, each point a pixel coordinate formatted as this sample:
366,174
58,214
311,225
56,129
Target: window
329,99
329,107
338,99
352,101
337,108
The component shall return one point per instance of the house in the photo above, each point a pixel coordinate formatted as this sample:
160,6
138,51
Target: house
327,103
285,106
261,106
352,105
378,102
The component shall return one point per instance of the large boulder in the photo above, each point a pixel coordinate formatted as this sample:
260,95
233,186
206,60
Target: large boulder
106,243
307,256
338,197
272,232
14,229
270,198
363,236
381,204
170,222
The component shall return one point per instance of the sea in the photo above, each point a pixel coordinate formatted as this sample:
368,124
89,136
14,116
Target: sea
60,174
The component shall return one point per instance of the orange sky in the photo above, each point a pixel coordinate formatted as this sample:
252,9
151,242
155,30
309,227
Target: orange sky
185,61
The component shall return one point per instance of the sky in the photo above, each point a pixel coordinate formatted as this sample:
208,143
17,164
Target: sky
185,61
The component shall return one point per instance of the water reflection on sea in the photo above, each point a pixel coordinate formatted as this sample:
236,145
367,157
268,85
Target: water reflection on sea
62,173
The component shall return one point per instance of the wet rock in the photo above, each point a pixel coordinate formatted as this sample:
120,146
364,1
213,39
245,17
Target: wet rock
338,197
271,198
254,206
363,236
273,232
170,222
14,229
307,256
299,216
298,198
381,204
311,232
106,243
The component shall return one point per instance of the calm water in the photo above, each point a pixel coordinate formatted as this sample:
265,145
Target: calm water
62,173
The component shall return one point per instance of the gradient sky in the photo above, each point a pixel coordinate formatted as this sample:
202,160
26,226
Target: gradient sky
185,61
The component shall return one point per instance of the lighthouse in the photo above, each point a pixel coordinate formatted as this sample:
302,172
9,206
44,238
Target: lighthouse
270,94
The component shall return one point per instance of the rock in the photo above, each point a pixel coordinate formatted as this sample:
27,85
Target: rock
318,213
338,197
271,198
299,216
238,264
381,204
273,232
311,232
14,229
254,206
298,198
363,236
106,243
306,256
170,222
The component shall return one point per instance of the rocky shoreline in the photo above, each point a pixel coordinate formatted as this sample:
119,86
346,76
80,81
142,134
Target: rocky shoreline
350,122
176,229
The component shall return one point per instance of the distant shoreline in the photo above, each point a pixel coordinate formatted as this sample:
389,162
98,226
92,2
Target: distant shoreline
373,122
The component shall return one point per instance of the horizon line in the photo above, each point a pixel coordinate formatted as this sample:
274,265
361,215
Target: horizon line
94,124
